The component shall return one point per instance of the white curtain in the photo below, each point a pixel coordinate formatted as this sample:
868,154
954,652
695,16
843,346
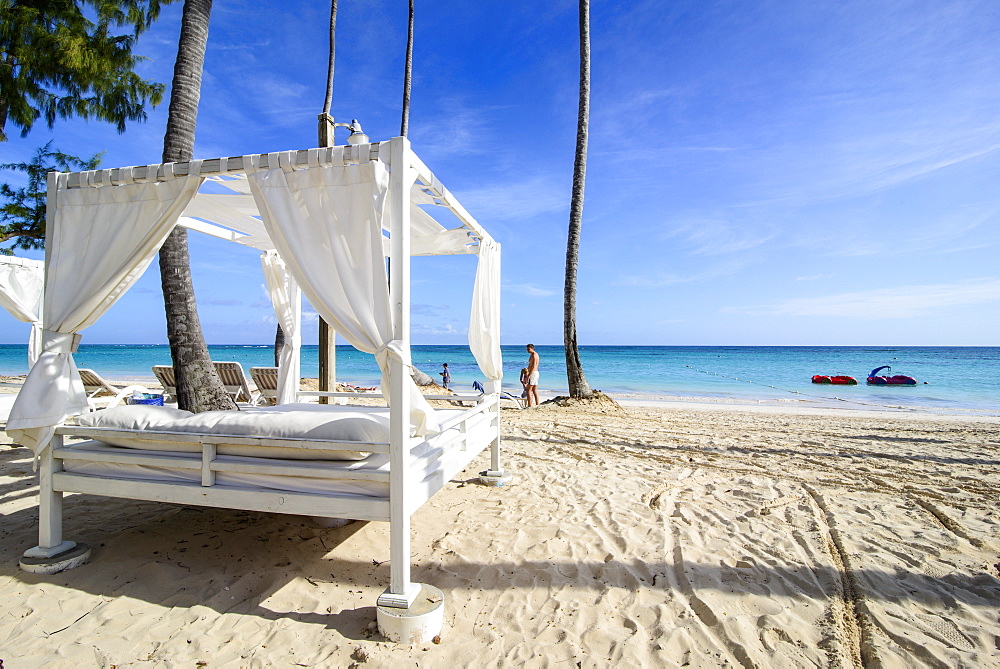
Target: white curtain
21,286
99,242
326,222
484,321
287,300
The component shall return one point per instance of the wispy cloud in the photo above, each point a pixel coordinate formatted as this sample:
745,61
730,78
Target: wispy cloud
655,280
428,309
460,128
900,302
542,194
445,329
528,289
658,279
718,236
814,277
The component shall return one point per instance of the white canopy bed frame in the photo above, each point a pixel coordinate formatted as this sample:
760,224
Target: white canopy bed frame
417,452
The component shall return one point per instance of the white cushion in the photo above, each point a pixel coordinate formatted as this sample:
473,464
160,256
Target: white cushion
290,421
133,417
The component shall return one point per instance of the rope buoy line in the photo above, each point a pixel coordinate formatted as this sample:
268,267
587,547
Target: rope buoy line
799,392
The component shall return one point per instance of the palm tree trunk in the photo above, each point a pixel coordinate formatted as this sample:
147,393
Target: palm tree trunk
333,56
279,344
407,77
198,385
326,137
578,386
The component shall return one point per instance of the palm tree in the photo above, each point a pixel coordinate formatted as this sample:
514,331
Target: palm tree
327,336
198,385
407,76
22,216
63,59
328,102
578,386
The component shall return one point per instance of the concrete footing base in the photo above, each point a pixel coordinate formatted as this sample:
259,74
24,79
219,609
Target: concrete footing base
419,623
496,478
40,564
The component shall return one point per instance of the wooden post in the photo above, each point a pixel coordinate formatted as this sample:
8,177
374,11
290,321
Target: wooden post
327,335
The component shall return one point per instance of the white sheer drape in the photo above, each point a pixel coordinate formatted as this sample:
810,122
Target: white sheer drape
21,284
287,300
326,222
484,320
99,242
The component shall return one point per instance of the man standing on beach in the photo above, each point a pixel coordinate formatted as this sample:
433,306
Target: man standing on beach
445,377
532,375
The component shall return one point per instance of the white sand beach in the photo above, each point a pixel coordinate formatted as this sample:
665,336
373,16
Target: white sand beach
711,536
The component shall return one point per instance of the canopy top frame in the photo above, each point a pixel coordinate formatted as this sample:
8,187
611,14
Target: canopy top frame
233,221
21,262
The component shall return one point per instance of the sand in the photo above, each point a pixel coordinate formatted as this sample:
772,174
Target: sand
700,537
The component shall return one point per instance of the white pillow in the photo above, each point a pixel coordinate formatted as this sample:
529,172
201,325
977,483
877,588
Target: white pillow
133,417
280,422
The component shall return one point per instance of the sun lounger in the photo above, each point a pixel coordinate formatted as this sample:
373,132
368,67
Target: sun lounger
165,376
266,380
231,374
103,395
235,381
519,402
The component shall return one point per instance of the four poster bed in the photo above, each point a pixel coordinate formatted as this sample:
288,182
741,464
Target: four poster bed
328,219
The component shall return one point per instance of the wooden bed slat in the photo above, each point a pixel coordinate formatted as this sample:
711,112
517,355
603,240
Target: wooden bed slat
96,433
228,497
286,468
127,457
271,467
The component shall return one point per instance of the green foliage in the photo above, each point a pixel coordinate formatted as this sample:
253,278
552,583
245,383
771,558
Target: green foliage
22,216
60,58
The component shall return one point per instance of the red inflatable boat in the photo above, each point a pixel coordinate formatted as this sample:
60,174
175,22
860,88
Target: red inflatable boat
836,380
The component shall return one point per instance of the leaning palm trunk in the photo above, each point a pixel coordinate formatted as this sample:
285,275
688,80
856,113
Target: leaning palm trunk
198,385
279,344
420,378
578,386
407,77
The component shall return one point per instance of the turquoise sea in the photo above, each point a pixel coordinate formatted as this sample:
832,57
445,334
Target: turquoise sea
950,379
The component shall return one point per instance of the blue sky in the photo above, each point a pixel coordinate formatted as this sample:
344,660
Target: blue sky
767,173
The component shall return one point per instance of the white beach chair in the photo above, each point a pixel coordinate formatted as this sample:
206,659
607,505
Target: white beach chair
266,380
165,376
231,373
103,395
519,402
235,381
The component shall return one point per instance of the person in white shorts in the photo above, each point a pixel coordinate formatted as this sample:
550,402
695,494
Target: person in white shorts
532,375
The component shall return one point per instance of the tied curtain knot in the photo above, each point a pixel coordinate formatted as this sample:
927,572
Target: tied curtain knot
60,342
393,349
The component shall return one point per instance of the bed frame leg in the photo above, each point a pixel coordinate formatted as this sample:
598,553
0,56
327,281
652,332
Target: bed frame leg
407,612
495,476
52,554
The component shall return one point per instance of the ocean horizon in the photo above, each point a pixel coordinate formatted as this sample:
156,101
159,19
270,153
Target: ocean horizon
962,379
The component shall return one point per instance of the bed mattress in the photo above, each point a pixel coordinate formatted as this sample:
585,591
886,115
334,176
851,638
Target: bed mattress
429,458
